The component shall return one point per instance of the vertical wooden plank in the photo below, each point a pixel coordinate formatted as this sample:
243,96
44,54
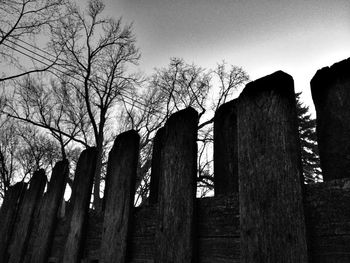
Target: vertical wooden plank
81,193
225,149
8,213
156,166
270,189
175,233
330,88
48,213
119,194
23,227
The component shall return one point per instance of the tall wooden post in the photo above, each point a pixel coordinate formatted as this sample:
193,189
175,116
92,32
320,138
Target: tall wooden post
330,89
270,187
48,213
225,149
156,166
8,213
175,233
23,227
119,195
81,194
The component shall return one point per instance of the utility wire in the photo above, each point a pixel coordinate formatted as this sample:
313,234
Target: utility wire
53,62
53,67
56,58
47,53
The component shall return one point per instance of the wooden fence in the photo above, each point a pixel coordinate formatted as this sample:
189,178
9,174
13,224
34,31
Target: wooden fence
261,212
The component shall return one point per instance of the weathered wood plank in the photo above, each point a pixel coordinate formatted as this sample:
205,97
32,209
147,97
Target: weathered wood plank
225,149
81,193
8,213
271,206
175,232
60,237
47,220
119,197
217,236
156,166
23,227
218,250
327,212
328,217
330,88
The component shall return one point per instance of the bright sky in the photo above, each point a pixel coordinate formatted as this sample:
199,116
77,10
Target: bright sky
262,36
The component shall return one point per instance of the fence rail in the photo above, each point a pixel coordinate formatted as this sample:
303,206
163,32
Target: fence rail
261,211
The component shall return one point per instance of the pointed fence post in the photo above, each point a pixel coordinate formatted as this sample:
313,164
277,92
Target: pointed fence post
270,187
330,88
119,197
175,233
156,166
225,149
81,194
8,213
23,227
48,213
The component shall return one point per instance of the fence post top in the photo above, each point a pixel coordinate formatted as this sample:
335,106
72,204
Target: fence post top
227,105
89,150
327,75
19,185
130,133
63,162
187,113
38,175
40,171
278,81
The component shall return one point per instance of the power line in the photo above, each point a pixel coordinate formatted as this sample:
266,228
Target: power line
42,50
135,101
131,99
56,58
39,55
52,66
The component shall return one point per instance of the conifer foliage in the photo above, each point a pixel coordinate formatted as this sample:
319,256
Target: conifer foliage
308,140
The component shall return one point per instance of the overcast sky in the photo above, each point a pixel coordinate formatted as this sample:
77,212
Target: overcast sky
262,36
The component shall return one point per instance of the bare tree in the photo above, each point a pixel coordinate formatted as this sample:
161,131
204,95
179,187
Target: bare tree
96,52
36,150
23,150
51,106
8,149
173,88
21,21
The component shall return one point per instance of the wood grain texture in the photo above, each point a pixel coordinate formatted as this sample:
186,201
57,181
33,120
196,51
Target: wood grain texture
8,213
330,88
81,193
328,221
177,191
225,149
271,206
46,223
25,219
119,197
156,166
328,224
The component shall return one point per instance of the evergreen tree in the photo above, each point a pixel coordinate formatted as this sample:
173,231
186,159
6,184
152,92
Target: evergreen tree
308,140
